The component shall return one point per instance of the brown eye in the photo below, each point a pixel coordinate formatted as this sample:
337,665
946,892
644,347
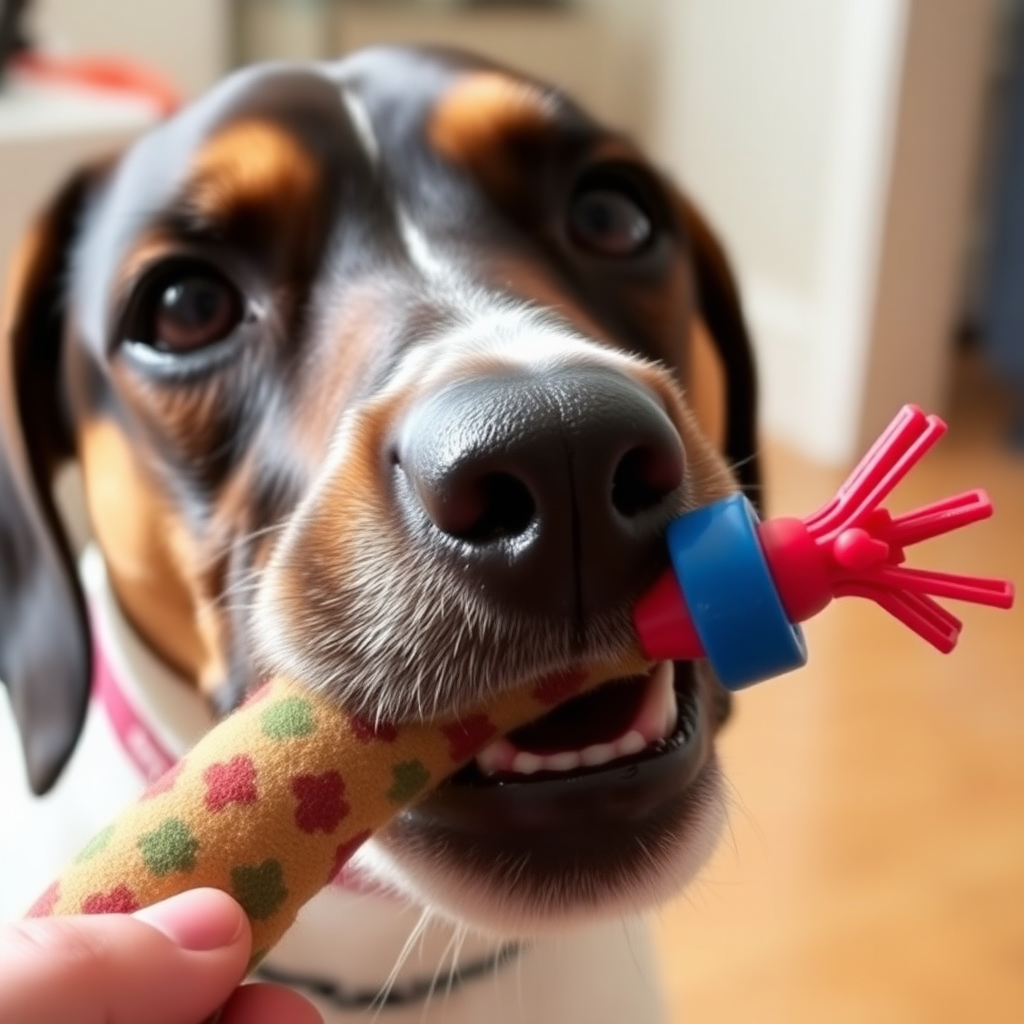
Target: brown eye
609,221
193,311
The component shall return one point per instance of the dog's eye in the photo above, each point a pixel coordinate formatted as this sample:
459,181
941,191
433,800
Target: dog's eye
192,311
609,220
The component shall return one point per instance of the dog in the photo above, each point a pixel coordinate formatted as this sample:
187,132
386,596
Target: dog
386,374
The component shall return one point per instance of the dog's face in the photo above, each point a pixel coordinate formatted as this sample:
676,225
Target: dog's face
388,375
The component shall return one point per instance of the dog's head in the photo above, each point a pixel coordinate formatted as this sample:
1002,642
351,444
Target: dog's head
388,375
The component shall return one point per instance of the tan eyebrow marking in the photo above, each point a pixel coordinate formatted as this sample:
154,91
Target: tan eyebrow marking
251,164
476,119
252,172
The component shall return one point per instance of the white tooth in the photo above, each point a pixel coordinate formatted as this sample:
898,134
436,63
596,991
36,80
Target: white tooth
650,721
599,753
496,757
631,743
526,763
671,713
564,762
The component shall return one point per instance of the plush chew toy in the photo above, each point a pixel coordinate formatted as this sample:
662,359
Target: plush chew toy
271,803
275,799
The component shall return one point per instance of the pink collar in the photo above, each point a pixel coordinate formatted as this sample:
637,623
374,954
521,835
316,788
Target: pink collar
140,743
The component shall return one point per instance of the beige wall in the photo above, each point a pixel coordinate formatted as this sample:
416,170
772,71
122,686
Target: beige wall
833,143
582,50
749,89
928,219
187,40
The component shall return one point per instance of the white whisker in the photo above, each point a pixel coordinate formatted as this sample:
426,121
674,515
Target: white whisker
415,935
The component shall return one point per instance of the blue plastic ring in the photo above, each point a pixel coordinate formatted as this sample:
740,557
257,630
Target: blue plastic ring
731,596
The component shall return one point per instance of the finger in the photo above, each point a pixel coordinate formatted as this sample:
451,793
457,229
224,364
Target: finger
268,1004
173,963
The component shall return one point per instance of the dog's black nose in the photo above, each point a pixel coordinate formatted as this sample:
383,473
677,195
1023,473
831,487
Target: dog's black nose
549,489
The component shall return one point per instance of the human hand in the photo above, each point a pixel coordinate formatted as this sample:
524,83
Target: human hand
176,962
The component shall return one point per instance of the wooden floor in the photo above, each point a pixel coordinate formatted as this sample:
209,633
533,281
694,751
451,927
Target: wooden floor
874,868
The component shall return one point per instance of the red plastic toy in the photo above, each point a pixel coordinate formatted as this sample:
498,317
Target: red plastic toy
739,587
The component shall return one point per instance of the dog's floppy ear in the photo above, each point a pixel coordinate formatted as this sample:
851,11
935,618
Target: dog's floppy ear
45,655
724,352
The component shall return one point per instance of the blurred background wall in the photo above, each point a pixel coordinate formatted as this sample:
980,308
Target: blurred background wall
188,40
838,143
839,146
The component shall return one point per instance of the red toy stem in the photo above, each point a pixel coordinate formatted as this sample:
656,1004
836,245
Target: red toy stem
853,547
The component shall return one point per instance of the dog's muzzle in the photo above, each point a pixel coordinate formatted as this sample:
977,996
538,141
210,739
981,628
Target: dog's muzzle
551,488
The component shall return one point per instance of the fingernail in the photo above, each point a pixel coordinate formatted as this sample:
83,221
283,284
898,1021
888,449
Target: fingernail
199,920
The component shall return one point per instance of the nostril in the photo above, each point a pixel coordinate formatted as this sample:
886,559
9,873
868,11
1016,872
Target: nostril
505,509
479,508
644,477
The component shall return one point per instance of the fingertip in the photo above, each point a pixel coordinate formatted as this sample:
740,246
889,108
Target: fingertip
174,961
200,920
260,1003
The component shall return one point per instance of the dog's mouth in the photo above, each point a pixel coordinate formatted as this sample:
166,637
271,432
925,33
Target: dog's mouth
608,803
623,722
618,754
